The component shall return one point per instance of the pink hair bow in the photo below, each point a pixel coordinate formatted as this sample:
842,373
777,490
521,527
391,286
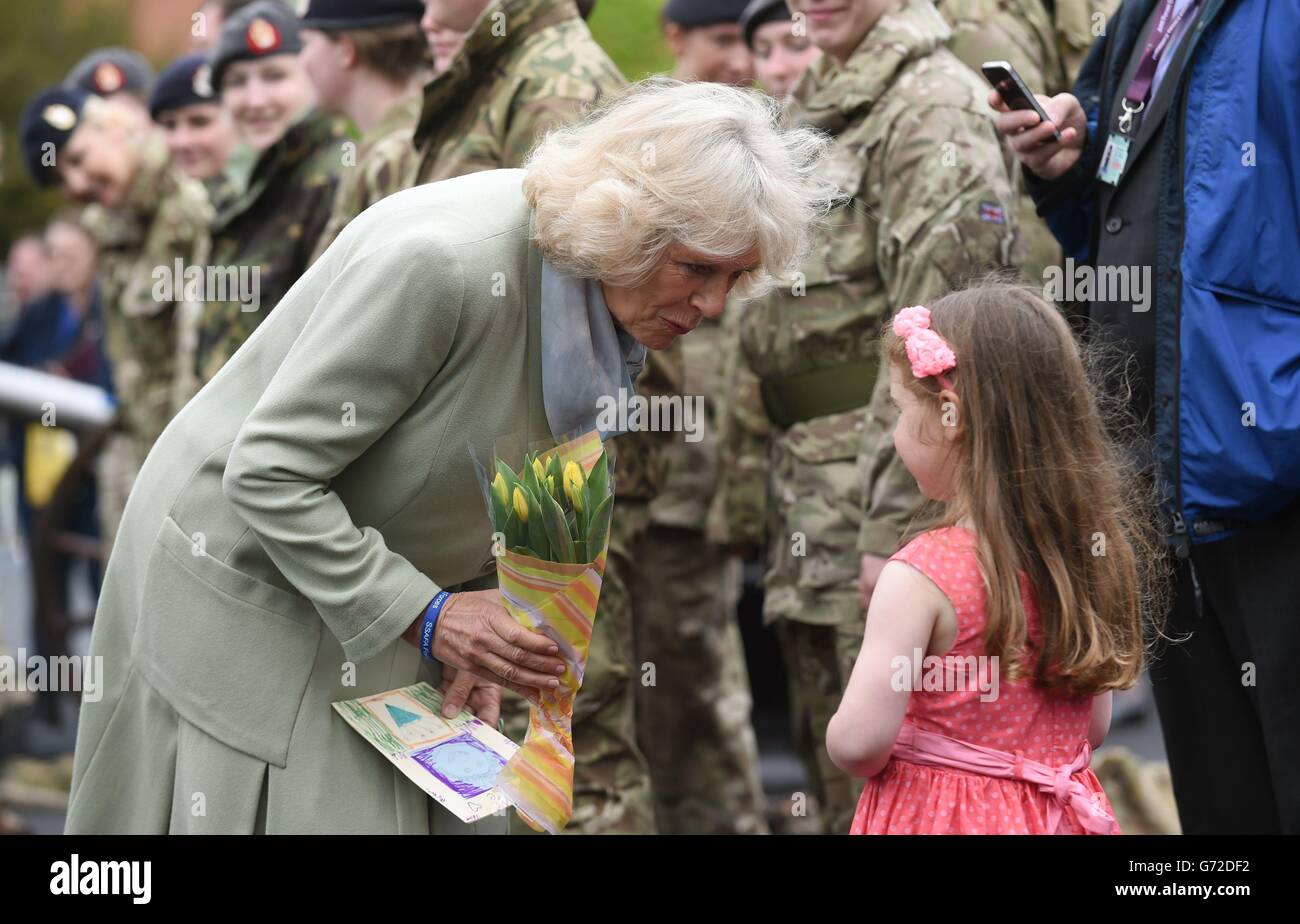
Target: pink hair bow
927,351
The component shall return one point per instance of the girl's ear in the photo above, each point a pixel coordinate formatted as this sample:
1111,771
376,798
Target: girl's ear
950,415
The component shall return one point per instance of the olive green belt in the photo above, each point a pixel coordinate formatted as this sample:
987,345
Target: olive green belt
792,399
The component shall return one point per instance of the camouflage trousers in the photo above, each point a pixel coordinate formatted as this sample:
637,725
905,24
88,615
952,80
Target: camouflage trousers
693,699
611,780
810,591
818,661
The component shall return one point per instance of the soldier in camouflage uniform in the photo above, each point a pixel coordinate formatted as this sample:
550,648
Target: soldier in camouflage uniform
694,720
528,66
368,60
271,219
145,215
928,204
1046,44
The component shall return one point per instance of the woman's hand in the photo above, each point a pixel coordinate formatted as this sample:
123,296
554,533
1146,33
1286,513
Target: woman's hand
1031,138
461,689
475,634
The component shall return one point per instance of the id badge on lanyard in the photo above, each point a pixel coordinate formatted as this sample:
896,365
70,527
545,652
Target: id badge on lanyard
1114,157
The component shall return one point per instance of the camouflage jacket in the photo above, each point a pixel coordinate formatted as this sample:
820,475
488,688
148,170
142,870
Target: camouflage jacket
526,67
383,163
927,205
148,319
640,457
737,514
269,222
1045,47
691,468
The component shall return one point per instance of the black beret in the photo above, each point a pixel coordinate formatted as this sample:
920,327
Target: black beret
260,30
184,82
50,118
106,71
357,14
692,13
760,13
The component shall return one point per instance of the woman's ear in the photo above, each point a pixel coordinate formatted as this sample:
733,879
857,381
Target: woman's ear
347,52
950,415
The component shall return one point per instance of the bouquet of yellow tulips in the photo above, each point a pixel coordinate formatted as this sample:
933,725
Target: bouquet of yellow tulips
551,522
557,511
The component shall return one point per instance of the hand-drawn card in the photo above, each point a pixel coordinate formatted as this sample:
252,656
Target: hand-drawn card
456,761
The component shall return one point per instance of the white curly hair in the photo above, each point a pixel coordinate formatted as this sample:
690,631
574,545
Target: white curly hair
702,165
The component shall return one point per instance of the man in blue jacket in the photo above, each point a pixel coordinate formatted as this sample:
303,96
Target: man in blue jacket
1175,185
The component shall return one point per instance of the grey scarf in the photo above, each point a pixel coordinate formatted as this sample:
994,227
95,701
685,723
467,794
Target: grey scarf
586,357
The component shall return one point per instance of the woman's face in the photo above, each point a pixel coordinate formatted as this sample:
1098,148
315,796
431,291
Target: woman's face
781,57
99,162
684,288
325,62
443,42
716,53
263,97
199,137
454,14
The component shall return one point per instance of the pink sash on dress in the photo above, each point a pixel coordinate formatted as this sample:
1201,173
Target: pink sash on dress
1067,793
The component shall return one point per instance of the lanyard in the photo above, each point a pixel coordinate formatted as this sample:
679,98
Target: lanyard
1158,41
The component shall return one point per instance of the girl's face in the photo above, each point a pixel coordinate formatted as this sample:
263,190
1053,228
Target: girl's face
924,437
199,137
264,96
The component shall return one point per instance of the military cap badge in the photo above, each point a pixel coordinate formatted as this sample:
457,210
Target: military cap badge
60,117
202,84
262,36
108,77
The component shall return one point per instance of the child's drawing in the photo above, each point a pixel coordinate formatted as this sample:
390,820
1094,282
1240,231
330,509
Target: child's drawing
455,760
406,719
463,763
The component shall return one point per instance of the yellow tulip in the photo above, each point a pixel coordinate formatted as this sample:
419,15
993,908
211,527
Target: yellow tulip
539,470
550,485
499,489
573,482
521,505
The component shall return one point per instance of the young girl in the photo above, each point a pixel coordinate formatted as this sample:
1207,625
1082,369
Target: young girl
993,642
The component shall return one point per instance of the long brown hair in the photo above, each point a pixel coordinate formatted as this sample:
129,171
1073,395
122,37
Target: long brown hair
1049,482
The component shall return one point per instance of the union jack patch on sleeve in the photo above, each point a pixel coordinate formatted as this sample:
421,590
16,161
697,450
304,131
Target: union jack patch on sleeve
991,212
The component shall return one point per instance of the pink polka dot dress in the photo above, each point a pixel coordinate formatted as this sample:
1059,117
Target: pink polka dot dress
1024,720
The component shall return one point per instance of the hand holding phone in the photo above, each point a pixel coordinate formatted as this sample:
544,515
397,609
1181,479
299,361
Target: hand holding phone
1047,135
1013,91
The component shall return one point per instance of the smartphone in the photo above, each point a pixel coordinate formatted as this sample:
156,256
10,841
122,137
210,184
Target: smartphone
1014,93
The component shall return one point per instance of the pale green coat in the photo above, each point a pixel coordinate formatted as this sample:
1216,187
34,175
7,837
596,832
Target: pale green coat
298,515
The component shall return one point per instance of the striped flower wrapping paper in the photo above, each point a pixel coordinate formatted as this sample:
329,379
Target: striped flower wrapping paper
559,600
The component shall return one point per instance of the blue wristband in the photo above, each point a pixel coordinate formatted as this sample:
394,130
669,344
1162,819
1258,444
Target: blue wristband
431,622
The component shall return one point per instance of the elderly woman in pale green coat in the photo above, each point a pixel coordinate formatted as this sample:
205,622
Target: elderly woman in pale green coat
291,526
